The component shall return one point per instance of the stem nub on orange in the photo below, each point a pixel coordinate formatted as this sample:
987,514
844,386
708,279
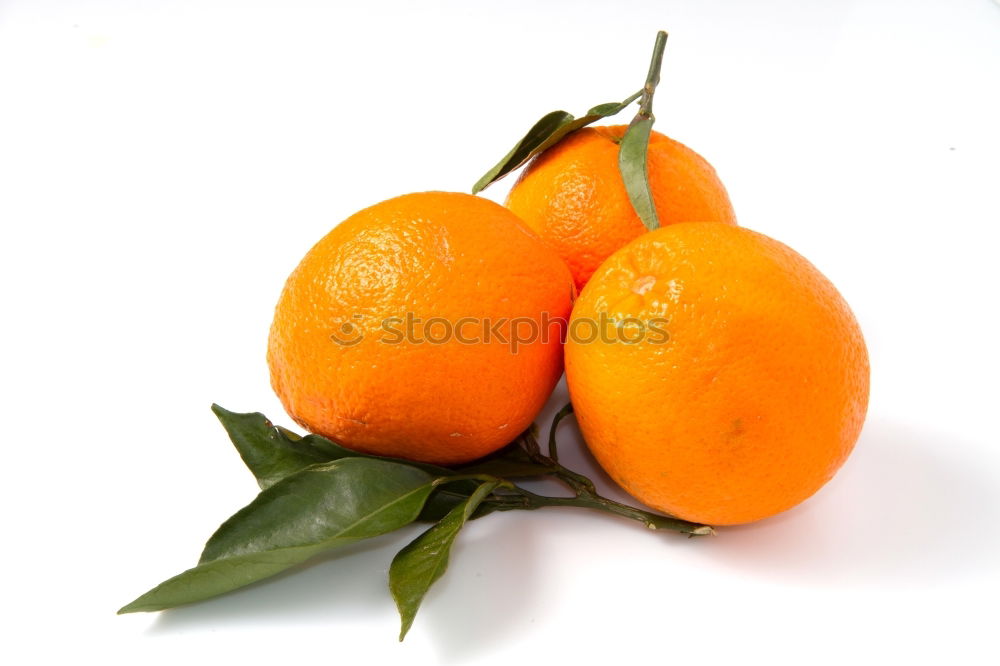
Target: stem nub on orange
573,195
426,327
745,397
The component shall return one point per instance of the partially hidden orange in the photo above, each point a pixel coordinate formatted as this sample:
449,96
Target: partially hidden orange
396,333
574,197
732,381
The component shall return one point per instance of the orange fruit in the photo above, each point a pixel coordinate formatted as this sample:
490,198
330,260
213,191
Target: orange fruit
450,386
574,198
731,381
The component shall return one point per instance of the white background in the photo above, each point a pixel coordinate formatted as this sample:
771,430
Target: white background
164,165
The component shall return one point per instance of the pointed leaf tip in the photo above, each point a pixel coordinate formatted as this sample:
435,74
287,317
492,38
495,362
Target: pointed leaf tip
292,521
273,453
424,560
548,131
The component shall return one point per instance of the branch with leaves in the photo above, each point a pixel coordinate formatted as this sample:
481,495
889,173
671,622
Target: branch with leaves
555,126
317,495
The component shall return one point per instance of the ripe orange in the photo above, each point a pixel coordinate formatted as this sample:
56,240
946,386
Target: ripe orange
752,398
460,268
573,195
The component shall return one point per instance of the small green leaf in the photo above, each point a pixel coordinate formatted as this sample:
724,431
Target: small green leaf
633,166
544,134
522,151
424,560
321,507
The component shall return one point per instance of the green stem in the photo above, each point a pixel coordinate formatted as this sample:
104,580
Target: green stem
631,98
529,500
578,482
652,78
485,478
529,441
513,497
560,415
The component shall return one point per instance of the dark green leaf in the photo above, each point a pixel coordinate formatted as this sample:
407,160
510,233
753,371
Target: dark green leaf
543,135
272,452
349,498
511,462
509,469
424,560
522,151
319,508
634,170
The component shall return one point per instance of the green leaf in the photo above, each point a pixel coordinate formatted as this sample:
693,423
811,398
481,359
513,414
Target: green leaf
510,462
321,507
544,134
633,166
272,452
424,560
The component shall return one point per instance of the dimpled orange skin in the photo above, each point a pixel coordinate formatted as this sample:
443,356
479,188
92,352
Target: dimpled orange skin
753,402
573,196
435,254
